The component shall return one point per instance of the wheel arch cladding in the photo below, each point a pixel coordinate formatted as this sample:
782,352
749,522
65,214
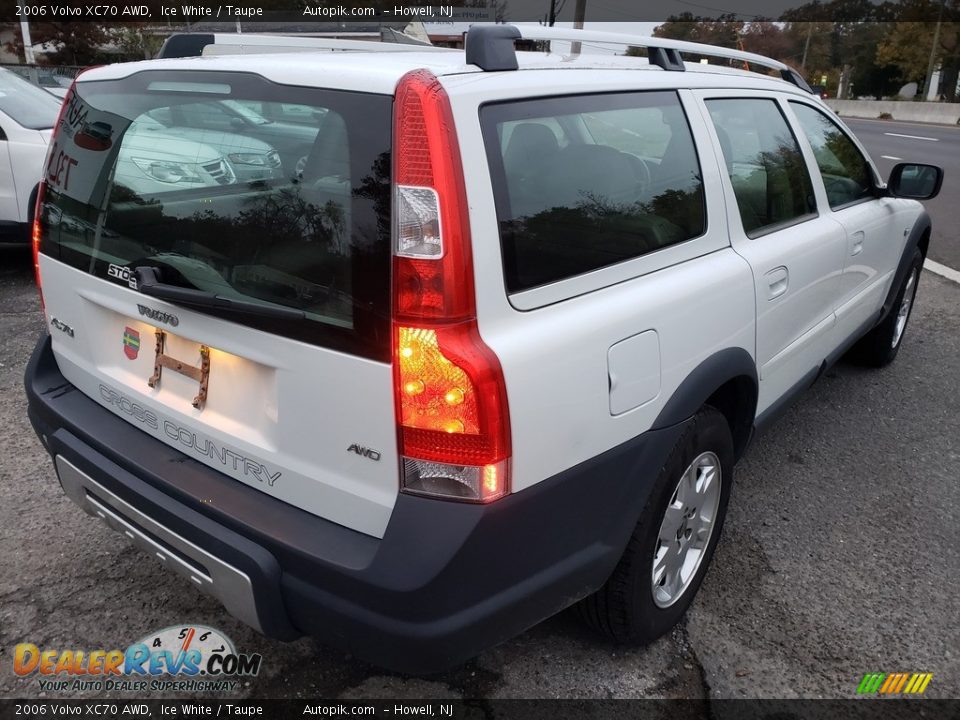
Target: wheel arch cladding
727,380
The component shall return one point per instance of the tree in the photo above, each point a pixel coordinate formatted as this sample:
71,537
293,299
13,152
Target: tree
767,38
907,47
758,36
813,52
72,43
722,31
138,43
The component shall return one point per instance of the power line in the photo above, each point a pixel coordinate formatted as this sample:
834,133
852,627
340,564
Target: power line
621,13
719,10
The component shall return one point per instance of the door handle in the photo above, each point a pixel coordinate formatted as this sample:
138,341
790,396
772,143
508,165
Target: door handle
778,280
856,243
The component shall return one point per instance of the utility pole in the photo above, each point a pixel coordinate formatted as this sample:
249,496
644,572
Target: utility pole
578,15
28,57
806,46
551,19
933,54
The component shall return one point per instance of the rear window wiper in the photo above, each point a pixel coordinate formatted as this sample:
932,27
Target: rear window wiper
148,283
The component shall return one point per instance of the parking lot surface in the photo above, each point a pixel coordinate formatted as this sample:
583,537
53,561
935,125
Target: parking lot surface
840,555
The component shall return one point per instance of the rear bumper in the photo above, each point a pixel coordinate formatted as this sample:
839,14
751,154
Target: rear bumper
446,581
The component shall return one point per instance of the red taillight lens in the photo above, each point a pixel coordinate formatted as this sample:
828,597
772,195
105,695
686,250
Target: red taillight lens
35,231
451,396
433,277
451,399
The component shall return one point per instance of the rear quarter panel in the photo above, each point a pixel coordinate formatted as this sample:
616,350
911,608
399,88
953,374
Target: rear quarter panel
555,357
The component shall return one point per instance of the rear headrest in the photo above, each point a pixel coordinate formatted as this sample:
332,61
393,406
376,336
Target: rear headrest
593,170
330,155
530,144
726,147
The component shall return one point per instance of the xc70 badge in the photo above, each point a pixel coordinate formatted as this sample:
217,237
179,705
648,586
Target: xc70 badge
61,326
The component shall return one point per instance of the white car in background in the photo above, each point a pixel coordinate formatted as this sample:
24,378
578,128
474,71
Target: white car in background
151,162
247,158
27,117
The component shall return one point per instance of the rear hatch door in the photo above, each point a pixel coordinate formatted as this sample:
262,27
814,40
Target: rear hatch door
262,348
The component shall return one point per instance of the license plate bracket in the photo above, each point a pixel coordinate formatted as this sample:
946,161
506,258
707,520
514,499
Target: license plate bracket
200,374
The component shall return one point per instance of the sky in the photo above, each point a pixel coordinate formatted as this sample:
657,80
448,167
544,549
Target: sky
633,28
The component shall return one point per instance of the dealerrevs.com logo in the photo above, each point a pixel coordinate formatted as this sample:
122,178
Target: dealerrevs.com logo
187,658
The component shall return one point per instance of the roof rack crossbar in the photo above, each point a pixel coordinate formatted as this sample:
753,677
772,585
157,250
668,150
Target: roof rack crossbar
663,52
195,44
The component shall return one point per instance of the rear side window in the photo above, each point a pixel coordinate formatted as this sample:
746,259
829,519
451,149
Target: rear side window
585,182
767,171
184,173
846,173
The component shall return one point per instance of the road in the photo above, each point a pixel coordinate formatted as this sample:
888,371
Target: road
891,142
840,554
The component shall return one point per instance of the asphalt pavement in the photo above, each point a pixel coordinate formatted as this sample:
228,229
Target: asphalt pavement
891,142
840,555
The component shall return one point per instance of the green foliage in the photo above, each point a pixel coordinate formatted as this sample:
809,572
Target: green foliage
137,44
908,44
876,46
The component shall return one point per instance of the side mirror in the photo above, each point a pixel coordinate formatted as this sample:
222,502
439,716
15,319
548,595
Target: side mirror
915,180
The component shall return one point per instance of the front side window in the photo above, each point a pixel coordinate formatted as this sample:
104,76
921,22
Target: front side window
582,183
846,173
767,171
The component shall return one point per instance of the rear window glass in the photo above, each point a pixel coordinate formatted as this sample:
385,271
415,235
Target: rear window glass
194,175
585,182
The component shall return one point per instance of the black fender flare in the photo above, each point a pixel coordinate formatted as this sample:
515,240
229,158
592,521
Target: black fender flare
705,379
921,226
32,203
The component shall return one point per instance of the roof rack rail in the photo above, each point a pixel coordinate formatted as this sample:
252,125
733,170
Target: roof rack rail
196,44
490,47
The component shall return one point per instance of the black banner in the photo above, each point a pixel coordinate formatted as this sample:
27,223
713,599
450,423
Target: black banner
929,709
213,15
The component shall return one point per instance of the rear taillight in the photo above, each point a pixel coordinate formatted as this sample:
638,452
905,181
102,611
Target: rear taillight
36,229
452,414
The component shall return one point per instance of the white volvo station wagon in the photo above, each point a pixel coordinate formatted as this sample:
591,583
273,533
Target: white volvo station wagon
490,348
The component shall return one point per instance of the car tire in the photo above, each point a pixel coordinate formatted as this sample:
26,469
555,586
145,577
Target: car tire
880,346
639,602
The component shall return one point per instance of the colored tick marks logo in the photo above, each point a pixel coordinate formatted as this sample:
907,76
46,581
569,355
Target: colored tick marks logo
188,658
131,343
894,683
